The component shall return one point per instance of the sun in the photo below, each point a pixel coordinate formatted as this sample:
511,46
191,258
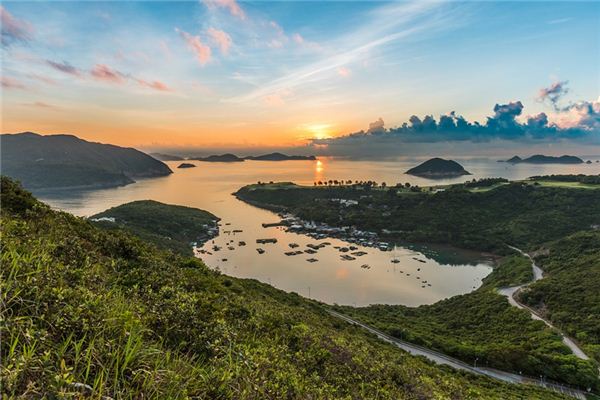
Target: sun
318,131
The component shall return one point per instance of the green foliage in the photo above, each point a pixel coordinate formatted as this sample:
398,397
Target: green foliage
89,313
485,221
569,295
482,325
167,226
587,179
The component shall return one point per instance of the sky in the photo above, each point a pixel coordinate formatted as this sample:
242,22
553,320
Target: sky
333,77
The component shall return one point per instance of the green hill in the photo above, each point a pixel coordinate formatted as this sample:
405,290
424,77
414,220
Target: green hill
89,313
65,161
438,168
167,226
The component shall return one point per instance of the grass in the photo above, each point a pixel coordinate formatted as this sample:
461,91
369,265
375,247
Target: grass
89,313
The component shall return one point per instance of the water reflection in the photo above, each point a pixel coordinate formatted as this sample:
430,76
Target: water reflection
331,279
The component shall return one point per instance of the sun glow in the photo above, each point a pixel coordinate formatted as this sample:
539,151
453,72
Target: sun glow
318,131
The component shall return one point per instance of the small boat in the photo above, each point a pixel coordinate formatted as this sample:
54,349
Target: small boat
263,241
260,251
359,253
365,266
230,248
312,260
310,251
395,261
346,257
241,243
353,248
223,259
294,245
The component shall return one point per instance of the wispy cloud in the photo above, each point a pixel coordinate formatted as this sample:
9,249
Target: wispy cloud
156,85
11,83
231,5
220,38
105,73
64,67
194,43
41,104
385,25
14,29
344,72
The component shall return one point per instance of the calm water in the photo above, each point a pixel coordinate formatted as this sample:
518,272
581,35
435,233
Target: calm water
209,187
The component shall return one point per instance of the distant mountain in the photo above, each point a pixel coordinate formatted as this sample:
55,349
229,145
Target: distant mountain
221,158
514,160
186,165
65,161
542,159
166,157
438,168
279,157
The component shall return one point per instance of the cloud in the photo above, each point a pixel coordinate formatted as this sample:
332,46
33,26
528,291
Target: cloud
11,83
41,104
385,25
156,85
13,29
579,122
221,39
344,72
202,51
105,73
64,67
231,5
296,37
554,93
376,126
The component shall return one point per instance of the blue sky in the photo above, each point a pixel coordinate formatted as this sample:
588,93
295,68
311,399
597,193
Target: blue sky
220,73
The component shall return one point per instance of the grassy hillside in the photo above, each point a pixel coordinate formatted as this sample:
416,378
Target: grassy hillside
88,312
480,220
167,226
483,326
569,295
65,161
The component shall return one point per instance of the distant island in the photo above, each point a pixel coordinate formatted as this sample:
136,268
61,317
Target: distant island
280,157
542,159
265,157
438,168
186,165
168,226
166,157
65,161
220,158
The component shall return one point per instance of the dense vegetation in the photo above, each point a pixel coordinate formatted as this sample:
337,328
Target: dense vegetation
588,179
480,220
569,295
482,327
89,312
167,226
542,159
65,161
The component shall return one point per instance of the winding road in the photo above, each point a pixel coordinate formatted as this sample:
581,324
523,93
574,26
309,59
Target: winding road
443,359
510,292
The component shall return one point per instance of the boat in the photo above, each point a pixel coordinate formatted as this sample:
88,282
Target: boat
310,251
359,253
395,261
230,248
312,260
365,266
260,251
264,241
346,257
241,243
294,245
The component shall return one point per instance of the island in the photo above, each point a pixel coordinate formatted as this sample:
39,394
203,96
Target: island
280,157
220,158
542,159
42,162
166,157
437,168
186,165
168,226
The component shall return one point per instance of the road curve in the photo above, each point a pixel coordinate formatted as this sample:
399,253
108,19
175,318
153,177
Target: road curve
538,274
443,359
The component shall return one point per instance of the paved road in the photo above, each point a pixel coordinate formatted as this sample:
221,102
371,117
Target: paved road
538,274
440,358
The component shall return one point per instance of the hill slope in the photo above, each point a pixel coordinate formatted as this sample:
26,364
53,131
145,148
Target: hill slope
167,226
438,168
101,313
65,161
